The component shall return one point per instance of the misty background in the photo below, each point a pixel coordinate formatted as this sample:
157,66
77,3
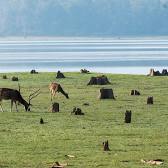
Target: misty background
83,17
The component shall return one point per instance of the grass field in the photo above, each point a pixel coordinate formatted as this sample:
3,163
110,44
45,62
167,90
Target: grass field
24,143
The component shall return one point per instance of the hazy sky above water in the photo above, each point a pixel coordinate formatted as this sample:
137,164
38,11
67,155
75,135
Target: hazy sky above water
83,17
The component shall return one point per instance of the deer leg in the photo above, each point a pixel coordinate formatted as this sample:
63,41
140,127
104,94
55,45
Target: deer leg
16,106
11,105
51,97
1,107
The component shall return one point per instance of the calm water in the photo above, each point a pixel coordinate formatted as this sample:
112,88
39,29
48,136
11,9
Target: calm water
134,56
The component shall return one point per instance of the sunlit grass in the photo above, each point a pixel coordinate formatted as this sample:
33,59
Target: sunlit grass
26,143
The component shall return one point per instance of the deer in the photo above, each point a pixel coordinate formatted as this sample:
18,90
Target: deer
56,87
15,96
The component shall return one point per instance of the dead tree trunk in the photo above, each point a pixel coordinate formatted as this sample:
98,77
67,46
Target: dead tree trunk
128,115
106,146
55,107
106,94
150,100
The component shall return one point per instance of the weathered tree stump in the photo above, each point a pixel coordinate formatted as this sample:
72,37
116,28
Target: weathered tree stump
4,77
100,80
106,146
15,78
128,115
106,94
84,71
41,121
135,92
150,100
60,75
77,111
55,107
33,71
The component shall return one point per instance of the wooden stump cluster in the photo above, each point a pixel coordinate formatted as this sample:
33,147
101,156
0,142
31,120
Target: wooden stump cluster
106,146
77,111
60,75
84,71
14,78
106,94
33,71
152,72
150,100
100,80
55,107
128,115
135,93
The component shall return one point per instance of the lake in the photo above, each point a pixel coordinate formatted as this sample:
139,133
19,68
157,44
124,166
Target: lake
106,55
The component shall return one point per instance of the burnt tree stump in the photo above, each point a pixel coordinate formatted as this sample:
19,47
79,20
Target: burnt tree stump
164,72
100,80
60,75
135,93
106,94
150,100
77,111
106,146
4,77
128,115
55,107
84,71
33,71
41,121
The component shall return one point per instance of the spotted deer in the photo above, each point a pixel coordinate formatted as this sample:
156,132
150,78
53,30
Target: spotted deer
15,96
55,87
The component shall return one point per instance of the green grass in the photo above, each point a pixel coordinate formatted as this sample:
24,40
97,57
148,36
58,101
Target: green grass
24,143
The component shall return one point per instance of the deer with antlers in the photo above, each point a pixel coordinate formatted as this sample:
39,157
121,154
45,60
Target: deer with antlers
55,87
15,96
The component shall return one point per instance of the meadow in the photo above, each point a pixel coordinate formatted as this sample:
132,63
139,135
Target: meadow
25,143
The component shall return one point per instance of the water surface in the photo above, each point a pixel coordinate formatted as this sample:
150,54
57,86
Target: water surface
126,55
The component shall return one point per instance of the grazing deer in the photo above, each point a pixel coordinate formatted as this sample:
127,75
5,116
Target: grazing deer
15,96
55,87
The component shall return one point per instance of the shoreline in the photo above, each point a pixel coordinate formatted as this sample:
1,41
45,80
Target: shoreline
102,70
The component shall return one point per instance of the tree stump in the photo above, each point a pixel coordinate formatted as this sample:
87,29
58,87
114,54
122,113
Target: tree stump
15,78
33,71
84,71
164,72
128,115
4,77
150,100
41,121
106,146
77,111
106,94
100,80
55,107
60,75
135,93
